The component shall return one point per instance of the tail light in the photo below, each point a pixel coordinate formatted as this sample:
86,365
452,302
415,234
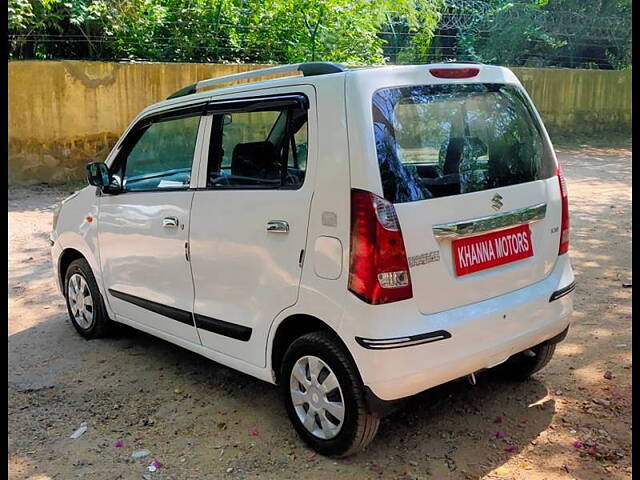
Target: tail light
564,225
466,72
378,267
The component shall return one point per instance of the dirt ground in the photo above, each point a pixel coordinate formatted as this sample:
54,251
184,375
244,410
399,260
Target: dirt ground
202,420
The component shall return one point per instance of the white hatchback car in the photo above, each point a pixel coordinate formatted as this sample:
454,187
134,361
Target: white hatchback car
355,236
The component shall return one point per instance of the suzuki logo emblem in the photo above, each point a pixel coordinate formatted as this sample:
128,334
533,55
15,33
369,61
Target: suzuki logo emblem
496,202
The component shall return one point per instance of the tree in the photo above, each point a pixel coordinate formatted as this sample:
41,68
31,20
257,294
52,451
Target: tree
70,29
265,31
568,33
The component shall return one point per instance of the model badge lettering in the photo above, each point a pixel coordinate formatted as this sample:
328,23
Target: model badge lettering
424,258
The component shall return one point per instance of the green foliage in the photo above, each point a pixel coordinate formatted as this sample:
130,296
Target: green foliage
422,26
70,28
571,33
260,31
567,33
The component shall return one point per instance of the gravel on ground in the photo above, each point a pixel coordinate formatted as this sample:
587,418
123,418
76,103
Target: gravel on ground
199,419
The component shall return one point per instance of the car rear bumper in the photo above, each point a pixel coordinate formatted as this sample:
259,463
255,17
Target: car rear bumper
447,345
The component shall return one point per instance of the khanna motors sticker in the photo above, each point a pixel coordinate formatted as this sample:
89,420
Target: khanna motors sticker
480,252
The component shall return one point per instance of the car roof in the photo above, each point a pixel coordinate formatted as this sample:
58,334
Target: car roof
489,73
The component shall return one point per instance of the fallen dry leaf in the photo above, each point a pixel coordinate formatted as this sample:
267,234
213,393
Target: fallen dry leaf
502,471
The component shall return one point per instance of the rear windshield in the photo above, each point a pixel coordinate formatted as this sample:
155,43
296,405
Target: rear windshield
441,140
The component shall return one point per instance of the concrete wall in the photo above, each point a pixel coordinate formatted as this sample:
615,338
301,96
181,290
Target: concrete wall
573,101
64,114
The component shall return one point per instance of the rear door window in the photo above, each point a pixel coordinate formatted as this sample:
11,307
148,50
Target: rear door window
441,140
259,150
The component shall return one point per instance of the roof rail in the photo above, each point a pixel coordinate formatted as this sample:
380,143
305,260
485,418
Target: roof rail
307,69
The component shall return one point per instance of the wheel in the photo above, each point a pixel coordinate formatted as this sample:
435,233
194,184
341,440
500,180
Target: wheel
84,302
324,397
522,365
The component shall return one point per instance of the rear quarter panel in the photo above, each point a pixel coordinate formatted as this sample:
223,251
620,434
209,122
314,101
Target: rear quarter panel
324,297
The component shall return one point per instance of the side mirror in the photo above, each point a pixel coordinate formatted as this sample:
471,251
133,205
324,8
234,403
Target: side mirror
227,119
98,174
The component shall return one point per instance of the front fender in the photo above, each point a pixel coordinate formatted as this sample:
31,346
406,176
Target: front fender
77,229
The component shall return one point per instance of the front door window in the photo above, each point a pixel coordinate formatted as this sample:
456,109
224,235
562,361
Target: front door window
162,157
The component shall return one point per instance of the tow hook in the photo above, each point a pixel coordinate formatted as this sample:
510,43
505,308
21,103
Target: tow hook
472,379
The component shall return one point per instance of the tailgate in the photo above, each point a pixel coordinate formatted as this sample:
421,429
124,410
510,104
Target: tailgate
431,228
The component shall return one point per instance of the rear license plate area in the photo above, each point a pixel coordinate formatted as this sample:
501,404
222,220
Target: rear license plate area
480,252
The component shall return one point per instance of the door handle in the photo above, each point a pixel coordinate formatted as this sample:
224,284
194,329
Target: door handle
278,226
170,222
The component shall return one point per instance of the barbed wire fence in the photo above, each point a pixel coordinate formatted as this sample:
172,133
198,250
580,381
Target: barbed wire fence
568,32
571,34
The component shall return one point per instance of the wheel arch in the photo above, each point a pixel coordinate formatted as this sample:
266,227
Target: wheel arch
292,327
67,256
76,246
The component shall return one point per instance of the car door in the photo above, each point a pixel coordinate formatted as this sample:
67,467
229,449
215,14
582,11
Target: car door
249,219
143,231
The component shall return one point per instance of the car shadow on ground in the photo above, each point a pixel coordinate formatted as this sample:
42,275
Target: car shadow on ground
93,376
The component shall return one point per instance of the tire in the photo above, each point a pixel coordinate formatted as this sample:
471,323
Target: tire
521,366
357,427
91,321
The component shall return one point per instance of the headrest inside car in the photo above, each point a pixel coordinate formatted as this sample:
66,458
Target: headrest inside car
254,159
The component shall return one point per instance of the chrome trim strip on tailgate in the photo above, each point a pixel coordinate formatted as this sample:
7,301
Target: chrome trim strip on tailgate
491,223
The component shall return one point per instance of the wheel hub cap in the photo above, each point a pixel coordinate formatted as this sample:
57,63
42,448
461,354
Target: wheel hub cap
80,301
317,397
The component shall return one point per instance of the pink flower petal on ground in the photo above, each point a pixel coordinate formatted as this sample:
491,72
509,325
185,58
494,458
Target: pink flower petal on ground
615,393
253,432
499,435
498,419
223,412
346,461
376,468
577,444
509,448
310,458
119,444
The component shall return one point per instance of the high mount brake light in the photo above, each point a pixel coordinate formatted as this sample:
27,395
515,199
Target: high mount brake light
378,267
564,225
466,72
